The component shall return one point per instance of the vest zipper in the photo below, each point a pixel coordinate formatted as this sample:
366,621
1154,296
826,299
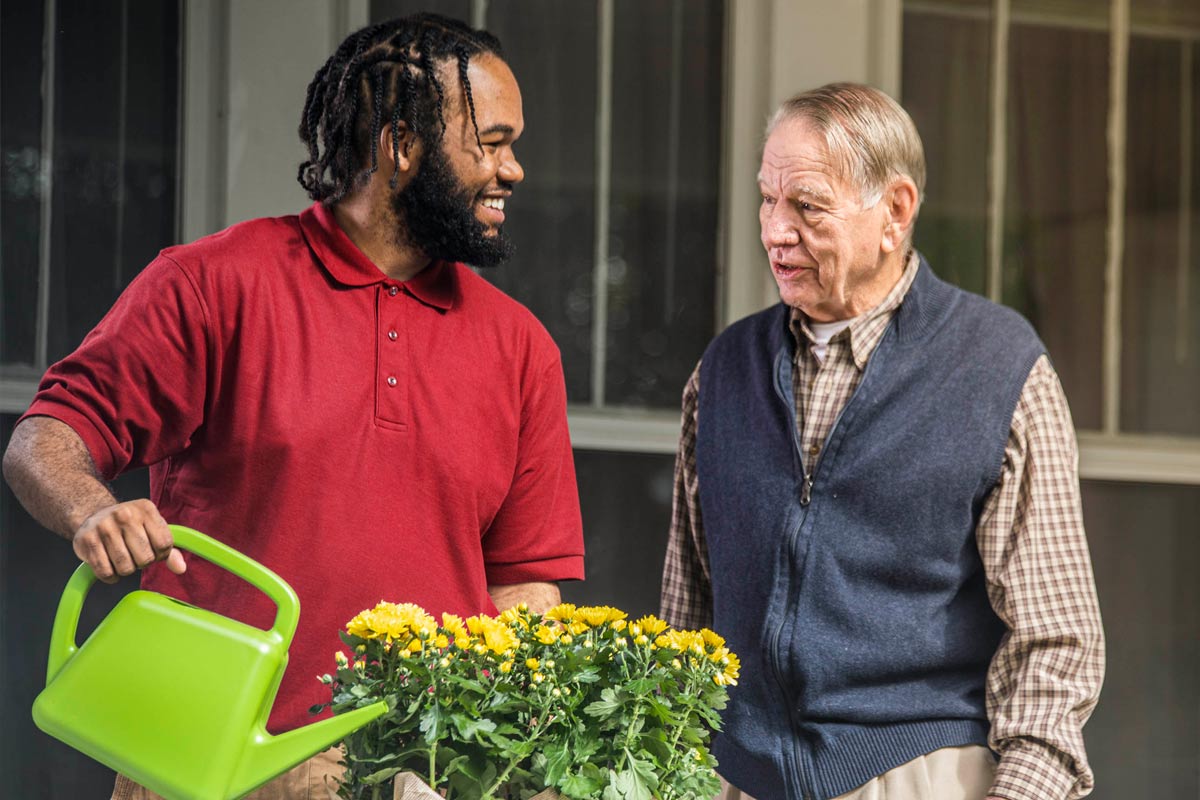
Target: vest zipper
797,759
796,762
804,782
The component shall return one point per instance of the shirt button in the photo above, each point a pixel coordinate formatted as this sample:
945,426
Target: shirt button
391,380
393,291
392,335
816,448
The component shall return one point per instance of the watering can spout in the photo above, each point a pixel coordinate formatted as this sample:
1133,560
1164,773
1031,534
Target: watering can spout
268,756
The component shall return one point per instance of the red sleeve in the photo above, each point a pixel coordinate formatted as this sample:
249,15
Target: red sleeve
134,390
538,534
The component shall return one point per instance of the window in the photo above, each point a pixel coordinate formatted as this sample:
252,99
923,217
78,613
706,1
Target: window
1063,140
88,141
89,103
1092,239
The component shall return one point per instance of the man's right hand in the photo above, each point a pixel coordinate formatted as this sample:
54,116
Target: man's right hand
120,539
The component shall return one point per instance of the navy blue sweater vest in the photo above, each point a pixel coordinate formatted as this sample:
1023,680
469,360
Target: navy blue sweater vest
858,606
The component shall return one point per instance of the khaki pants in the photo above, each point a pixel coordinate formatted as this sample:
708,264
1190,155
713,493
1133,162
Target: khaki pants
952,773
308,781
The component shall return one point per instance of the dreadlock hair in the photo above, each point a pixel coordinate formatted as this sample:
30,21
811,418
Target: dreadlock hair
382,74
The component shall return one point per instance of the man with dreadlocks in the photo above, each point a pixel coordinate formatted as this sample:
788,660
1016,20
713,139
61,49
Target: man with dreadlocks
333,393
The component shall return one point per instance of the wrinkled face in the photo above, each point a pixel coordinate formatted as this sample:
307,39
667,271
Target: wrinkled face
824,247
453,208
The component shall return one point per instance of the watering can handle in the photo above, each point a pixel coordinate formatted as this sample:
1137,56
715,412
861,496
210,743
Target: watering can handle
66,619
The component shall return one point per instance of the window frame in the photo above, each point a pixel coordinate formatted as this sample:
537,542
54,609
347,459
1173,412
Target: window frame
1107,454
767,58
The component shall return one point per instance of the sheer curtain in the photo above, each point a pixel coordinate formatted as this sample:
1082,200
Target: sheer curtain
1056,214
1144,738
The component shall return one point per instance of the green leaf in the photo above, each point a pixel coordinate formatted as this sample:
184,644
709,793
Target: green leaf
586,675
469,729
657,748
558,759
611,792
606,705
431,723
632,786
589,780
646,772
642,686
626,785
380,776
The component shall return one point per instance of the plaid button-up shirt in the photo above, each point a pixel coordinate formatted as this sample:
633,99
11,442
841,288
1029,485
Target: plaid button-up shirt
1045,677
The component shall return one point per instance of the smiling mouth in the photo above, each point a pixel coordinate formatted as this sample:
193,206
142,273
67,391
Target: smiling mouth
492,213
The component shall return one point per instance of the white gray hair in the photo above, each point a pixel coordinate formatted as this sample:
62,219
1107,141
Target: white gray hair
869,137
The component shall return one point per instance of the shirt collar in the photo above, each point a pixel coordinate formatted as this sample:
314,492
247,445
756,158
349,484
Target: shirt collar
867,329
436,285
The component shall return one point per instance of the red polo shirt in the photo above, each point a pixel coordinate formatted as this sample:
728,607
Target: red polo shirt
365,438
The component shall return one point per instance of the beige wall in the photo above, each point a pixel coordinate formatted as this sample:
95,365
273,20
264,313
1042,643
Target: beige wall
247,66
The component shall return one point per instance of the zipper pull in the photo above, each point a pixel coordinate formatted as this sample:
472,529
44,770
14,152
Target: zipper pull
806,490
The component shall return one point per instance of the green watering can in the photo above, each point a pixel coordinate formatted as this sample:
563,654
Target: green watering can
177,697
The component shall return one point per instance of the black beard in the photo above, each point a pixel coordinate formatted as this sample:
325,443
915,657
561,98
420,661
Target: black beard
437,216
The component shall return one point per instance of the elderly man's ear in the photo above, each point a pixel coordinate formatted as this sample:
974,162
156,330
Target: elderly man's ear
900,211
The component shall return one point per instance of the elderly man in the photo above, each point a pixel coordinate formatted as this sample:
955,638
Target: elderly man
332,393
877,502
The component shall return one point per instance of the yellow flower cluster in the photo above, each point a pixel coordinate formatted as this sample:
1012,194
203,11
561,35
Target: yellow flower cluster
391,621
412,629
493,635
584,617
524,673
707,644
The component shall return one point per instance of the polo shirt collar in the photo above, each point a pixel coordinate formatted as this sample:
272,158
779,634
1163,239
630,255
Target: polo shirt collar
435,285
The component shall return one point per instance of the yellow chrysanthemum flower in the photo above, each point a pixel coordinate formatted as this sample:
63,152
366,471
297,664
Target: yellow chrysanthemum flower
408,618
390,621
577,627
732,669
563,612
595,616
456,629
652,625
711,639
359,626
681,641
441,641
516,616
547,635
592,616
497,637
